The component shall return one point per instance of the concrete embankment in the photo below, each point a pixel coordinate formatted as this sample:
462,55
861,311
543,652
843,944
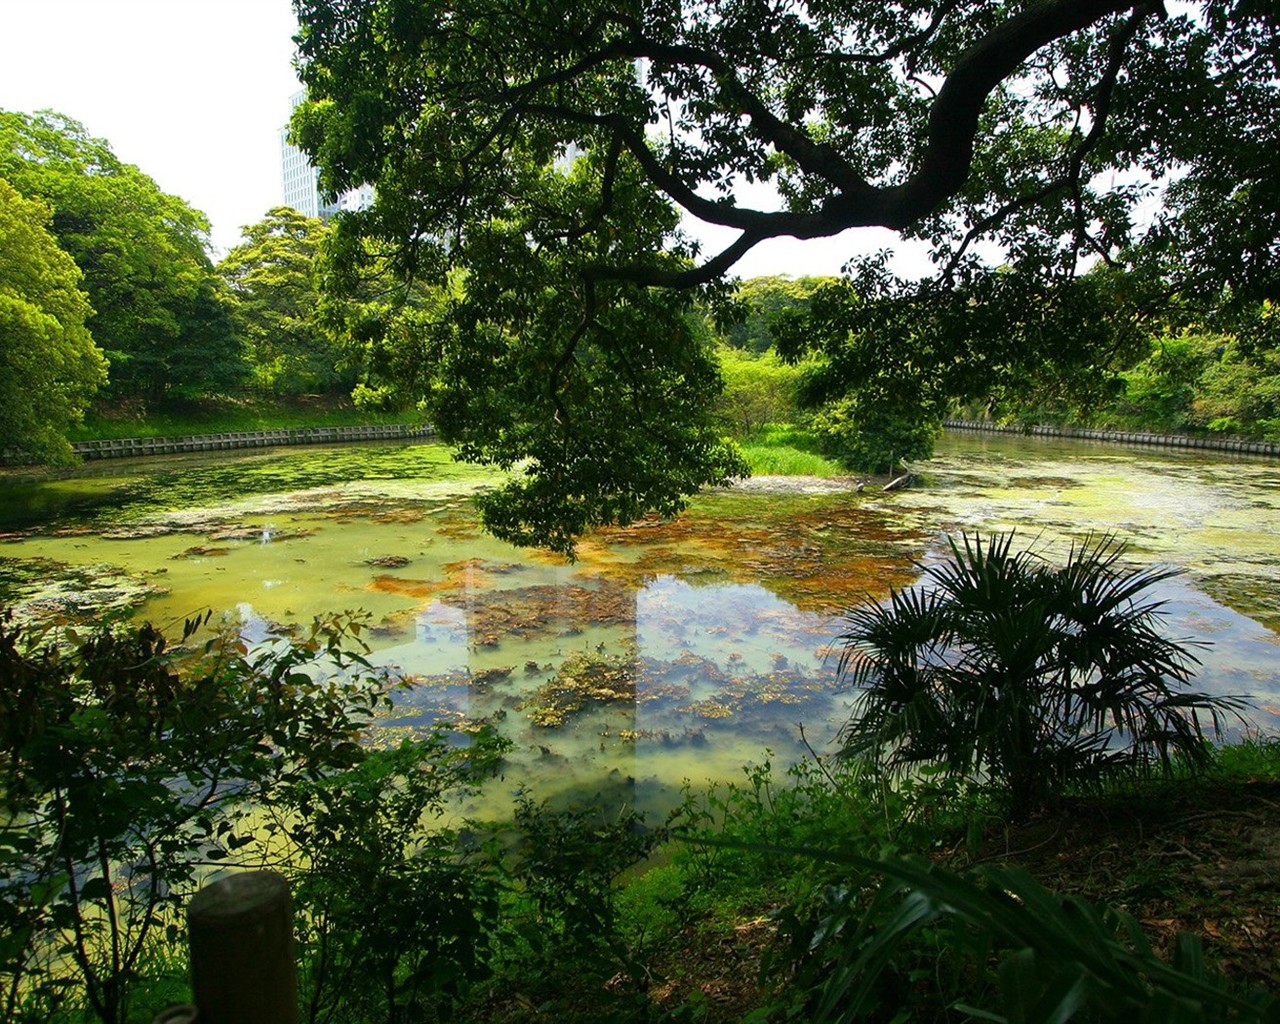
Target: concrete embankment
131,447
1216,444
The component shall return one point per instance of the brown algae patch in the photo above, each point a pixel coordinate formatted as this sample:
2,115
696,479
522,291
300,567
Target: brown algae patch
822,553
524,613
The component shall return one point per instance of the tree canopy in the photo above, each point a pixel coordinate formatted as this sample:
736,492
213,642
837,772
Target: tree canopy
157,310
49,365
273,279
546,152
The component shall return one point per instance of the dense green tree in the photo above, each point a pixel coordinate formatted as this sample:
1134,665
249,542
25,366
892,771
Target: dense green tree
1034,128
49,365
762,300
892,359
273,275
142,252
758,389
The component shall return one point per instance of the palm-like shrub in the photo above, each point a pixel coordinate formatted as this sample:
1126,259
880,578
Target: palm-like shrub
1033,678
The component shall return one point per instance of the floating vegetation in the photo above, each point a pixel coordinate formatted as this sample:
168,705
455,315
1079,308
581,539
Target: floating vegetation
523,613
40,590
674,647
489,676
820,552
709,709
200,551
388,562
584,680
1257,597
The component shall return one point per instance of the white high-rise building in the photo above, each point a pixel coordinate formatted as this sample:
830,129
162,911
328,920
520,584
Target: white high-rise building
300,186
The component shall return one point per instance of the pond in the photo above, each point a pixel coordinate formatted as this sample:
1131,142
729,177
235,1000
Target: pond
670,650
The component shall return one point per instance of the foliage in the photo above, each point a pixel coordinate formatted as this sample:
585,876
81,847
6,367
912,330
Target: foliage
993,945
757,390
872,433
738,839
566,865
1034,679
157,309
1185,380
396,921
49,365
1159,391
779,450
511,371
545,157
272,276
123,778
1239,391
225,414
762,301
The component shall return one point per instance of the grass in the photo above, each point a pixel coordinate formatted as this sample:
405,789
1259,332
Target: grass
226,415
780,449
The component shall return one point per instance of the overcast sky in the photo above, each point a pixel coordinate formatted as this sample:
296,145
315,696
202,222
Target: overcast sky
194,93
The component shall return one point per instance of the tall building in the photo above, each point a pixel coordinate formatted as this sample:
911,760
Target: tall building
300,186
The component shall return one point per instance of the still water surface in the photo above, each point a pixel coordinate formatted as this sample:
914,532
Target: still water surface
669,650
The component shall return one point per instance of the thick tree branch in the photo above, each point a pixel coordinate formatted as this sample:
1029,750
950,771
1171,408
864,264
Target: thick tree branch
1070,178
953,120
941,170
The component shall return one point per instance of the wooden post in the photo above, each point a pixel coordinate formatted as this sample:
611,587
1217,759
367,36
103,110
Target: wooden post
241,934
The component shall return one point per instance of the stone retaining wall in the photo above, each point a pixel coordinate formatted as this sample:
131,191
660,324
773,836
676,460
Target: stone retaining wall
1218,444
134,446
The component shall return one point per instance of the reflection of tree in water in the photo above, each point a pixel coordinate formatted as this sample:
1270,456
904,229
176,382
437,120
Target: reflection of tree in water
821,553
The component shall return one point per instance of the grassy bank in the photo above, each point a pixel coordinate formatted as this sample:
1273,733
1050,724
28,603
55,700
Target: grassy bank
225,415
779,449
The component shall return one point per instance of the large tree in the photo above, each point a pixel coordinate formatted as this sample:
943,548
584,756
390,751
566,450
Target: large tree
158,311
273,276
544,149
49,365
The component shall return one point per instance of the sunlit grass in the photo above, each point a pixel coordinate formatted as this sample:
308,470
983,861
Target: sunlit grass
781,449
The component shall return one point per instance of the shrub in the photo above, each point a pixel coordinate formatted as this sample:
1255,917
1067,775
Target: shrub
126,769
757,390
869,432
927,944
1035,679
395,920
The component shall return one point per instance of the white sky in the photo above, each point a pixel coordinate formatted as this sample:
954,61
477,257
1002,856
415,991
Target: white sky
194,93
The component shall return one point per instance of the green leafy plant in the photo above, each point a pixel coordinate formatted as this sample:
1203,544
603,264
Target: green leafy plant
127,769
1004,669
993,945
565,868
395,919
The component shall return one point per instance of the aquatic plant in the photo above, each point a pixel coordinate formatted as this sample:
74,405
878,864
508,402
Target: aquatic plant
584,680
1034,679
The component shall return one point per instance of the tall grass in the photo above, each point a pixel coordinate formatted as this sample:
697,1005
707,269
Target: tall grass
782,449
